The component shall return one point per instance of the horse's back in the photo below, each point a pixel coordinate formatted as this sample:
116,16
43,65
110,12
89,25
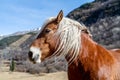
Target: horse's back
116,50
116,55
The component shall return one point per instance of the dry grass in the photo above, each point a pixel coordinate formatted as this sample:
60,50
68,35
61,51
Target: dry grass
26,76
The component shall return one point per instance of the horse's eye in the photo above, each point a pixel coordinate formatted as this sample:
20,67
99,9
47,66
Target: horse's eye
47,30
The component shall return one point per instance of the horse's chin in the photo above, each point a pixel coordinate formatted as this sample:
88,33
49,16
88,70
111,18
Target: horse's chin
35,62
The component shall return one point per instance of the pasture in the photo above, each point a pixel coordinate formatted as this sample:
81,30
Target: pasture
27,76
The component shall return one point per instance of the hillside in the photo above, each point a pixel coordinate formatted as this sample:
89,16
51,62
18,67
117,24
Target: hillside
102,17
20,41
16,39
8,40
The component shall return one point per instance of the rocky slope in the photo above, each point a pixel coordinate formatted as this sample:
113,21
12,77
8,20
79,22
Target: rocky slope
102,17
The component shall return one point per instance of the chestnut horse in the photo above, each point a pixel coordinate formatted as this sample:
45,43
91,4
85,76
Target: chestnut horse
87,60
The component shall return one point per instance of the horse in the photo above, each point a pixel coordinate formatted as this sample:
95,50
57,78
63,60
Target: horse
87,60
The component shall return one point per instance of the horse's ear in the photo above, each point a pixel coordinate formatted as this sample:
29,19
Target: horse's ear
59,16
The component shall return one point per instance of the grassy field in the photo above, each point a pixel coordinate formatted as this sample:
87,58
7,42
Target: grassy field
27,76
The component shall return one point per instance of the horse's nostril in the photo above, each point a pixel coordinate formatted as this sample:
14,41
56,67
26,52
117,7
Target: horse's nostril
30,54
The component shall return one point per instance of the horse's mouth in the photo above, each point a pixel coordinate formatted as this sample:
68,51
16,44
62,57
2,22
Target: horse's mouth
32,60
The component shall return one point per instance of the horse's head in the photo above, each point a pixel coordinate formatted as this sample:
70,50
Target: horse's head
58,36
44,45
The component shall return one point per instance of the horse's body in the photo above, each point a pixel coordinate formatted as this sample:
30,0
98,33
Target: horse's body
87,60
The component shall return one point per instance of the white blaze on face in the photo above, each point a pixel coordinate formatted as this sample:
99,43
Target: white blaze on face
36,54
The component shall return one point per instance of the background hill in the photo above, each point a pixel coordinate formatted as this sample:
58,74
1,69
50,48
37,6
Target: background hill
102,17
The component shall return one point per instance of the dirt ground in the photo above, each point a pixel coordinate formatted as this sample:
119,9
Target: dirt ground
26,76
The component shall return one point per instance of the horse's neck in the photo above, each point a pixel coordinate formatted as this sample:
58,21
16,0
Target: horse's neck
92,60
93,55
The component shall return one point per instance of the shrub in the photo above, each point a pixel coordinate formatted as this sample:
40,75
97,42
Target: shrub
12,65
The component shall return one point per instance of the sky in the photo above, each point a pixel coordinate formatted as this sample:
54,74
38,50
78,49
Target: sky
23,15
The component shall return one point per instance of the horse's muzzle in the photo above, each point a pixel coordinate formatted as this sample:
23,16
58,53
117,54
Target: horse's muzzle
33,58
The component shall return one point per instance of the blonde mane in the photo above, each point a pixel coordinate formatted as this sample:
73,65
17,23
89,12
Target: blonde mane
67,37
